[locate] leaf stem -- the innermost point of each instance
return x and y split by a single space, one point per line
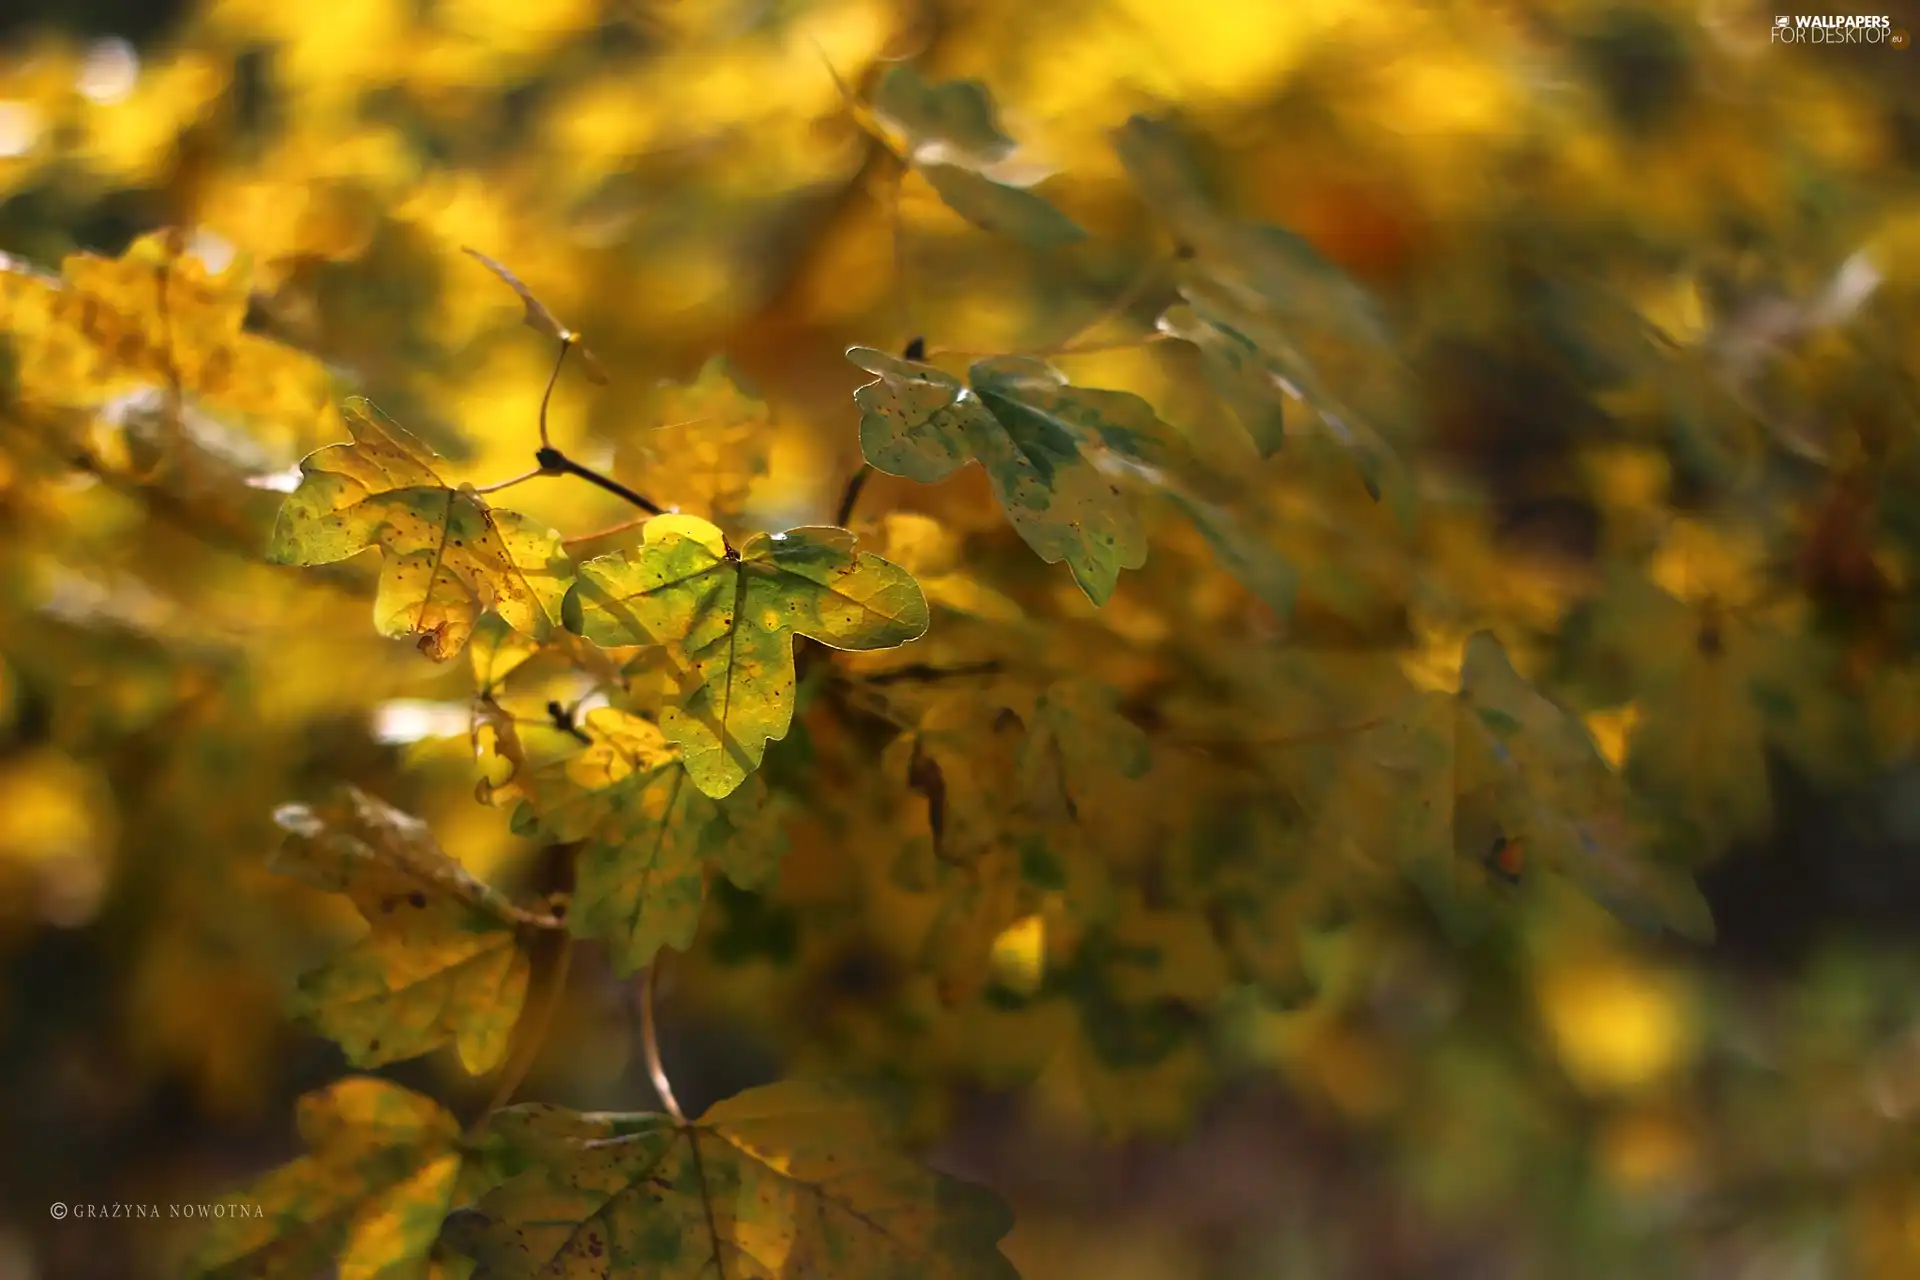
849 496
554 463
1119 306
607 532
566 345
650 1043
508 484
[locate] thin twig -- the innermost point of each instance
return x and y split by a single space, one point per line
534 474
855 483
607 532
1119 306
553 462
566 345
650 1043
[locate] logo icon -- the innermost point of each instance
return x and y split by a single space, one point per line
1782 20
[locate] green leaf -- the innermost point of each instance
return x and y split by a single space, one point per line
649 836
1238 373
1274 319
954 122
953 137
386 1167
1240 551
1035 436
1078 744
1531 769
447 557
441 960
788 1180
1005 210
728 620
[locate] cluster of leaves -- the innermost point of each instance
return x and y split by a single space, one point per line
1282 720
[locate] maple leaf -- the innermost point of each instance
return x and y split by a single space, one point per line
1530 769
1038 440
1714 691
792 1180
441 960
649 836
729 618
447 557
953 138
1273 320
711 447
386 1167
155 317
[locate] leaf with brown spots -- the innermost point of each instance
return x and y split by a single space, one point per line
386 1166
727 618
1040 441
791 1181
447 556
442 959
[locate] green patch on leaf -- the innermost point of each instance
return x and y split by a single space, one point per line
727 619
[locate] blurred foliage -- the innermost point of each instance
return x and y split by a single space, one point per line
1413 763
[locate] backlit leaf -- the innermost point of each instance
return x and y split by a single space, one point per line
649 836
728 619
1033 435
447 557
441 960
386 1167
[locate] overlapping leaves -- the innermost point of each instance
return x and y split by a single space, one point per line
1038 440
649 836
953 139
789 1180
441 960
727 620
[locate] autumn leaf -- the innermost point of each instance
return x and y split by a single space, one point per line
729 617
1273 320
447 557
441 960
156 317
1532 768
649 836
789 1180
1715 692
1037 439
952 136
386 1167
710 447
539 319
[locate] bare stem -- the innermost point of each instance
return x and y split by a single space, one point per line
650 1043
566 345
508 484
607 532
554 463
855 483
1118 307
